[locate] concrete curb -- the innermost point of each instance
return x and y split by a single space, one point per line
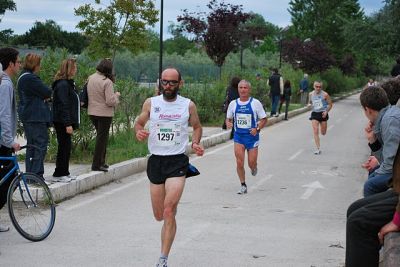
88 181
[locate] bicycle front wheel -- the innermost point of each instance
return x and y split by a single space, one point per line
31 207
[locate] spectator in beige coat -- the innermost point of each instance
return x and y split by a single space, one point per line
102 101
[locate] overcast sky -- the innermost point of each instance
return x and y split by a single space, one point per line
62 11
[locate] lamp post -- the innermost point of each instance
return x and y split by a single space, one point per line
161 39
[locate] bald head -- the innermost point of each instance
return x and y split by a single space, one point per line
172 74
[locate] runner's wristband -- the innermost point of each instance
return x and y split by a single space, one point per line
396 218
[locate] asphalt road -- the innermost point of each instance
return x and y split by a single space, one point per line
293 214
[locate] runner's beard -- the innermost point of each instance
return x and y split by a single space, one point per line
170 94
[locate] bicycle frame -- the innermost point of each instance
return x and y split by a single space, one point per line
14 160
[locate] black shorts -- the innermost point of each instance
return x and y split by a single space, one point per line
160 168
318 116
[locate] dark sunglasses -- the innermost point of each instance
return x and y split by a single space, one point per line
170 82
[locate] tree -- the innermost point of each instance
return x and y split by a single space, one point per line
120 25
219 31
50 34
310 56
5 5
324 19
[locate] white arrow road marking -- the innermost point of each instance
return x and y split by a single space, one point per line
310 189
296 154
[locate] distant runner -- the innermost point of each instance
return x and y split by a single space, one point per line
321 104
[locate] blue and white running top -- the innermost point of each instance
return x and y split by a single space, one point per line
319 103
246 114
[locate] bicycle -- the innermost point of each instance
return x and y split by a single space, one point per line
30 203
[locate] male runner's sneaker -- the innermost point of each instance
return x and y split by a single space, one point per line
254 171
242 190
162 263
317 152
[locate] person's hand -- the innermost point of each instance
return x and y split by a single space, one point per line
301 91
371 163
142 134
324 114
369 133
229 124
69 129
118 94
198 149
16 147
390 227
253 131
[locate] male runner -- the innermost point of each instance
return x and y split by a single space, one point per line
169 115
321 104
248 117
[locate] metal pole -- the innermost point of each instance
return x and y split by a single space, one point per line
161 39
280 52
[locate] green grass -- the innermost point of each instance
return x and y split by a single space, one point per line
121 146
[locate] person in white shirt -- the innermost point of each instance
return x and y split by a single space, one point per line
248 117
170 115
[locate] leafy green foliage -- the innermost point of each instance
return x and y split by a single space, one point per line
324 19
119 25
50 34
7 5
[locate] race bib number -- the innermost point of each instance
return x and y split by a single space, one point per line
243 121
317 103
168 134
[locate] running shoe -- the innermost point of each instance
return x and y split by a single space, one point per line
62 179
72 177
242 190
317 152
162 263
254 171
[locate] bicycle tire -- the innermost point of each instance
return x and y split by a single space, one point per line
31 207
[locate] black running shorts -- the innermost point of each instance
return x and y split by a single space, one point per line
160 168
318 116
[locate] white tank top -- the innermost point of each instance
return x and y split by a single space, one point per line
168 128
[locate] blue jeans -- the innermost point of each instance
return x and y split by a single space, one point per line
376 183
275 103
36 134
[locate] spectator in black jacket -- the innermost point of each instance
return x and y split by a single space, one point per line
396 68
275 81
65 117
34 112
232 93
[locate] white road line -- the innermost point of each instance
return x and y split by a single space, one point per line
260 182
105 194
296 154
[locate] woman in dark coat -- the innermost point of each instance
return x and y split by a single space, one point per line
34 112
66 111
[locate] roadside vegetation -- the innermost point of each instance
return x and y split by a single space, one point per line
343 58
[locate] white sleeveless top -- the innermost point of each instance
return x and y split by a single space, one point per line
168 128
